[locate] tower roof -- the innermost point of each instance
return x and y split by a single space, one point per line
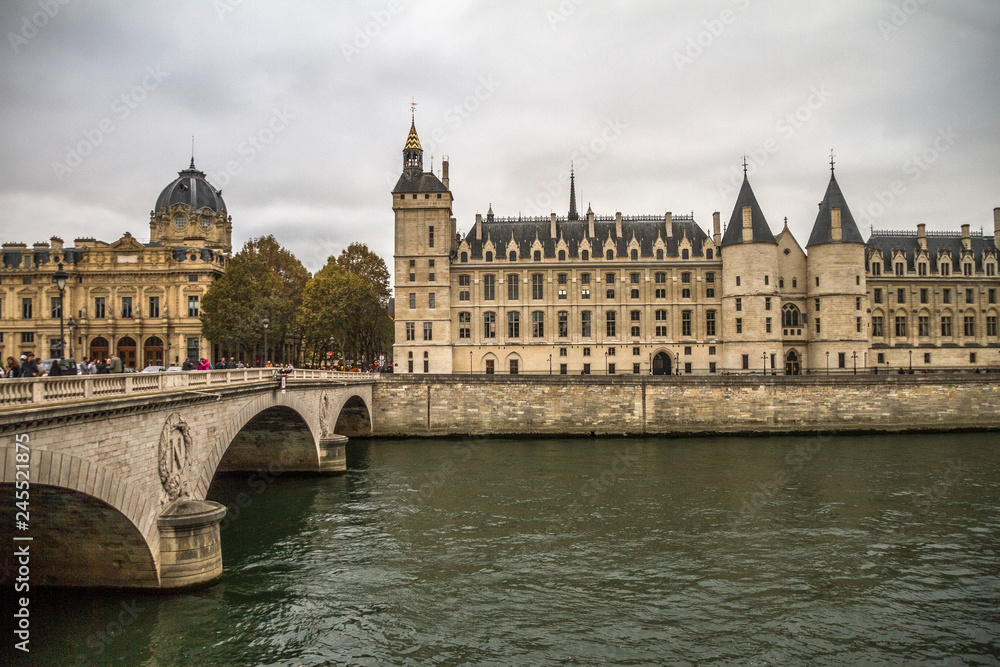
573 215
191 188
822 231
761 231
412 141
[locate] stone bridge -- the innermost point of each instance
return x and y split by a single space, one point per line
109 473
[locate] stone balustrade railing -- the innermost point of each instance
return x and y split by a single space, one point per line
27 392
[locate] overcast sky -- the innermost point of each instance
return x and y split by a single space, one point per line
300 111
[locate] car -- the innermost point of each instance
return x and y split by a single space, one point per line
129 369
175 369
68 367
154 369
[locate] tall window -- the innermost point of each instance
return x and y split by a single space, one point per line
923 326
430 236
513 324
609 318
789 316
946 325
709 322
991 326
26 310
513 285
192 306
154 306
413 300
465 325
538 324
563 320
877 326
57 306
430 300
685 322
585 324
901 326
877 295
428 330
489 325
739 304
635 326
489 287
127 306
99 307
970 326
411 331
537 283
661 323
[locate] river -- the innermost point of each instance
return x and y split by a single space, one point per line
840 550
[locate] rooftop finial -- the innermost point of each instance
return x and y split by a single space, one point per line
744 166
831 160
573 215
413 110
192 151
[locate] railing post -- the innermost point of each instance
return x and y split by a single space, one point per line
37 395
128 384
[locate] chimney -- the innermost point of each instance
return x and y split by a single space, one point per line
479 226
444 170
56 242
747 225
922 236
552 226
836 231
716 228
668 222
590 224
996 227
966 237
618 224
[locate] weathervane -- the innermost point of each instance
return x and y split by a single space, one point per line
744 165
831 160
413 109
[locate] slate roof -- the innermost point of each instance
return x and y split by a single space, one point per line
822 228
191 188
734 231
425 182
645 229
888 242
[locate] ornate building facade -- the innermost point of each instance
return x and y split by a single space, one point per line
657 294
140 300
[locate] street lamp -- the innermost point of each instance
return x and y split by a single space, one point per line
71 325
331 350
265 323
550 364
59 278
911 361
854 355
763 362
470 362
828 362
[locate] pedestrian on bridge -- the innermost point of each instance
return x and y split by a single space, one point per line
115 364
13 369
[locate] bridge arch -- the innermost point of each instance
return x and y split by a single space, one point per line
106 528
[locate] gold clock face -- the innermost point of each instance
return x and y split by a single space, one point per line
180 221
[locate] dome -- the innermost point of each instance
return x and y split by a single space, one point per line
191 188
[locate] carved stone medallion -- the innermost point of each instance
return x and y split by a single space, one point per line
175 457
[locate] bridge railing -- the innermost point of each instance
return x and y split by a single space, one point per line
26 392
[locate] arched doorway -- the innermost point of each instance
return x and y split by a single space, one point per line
792 363
126 350
662 364
99 348
152 352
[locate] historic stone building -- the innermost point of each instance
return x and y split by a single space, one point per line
140 300
589 294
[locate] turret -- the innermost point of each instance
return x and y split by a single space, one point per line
996 227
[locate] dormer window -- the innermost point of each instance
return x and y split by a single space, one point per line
180 221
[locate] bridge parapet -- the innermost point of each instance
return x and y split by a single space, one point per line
29 392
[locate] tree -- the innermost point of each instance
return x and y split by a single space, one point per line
359 260
284 302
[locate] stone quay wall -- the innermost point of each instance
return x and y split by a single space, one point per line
440 405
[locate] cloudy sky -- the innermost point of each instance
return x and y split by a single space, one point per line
300 110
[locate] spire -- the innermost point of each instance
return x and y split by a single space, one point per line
192 152
833 212
413 154
489 213
744 167
746 202
573 215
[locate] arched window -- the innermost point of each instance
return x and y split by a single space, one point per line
790 316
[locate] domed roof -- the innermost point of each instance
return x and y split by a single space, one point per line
191 188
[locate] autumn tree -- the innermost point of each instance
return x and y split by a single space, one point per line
359 260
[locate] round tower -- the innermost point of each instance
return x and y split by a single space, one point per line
751 306
837 303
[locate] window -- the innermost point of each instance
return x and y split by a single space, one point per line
899 268
686 277
946 295
634 315
413 300
538 324
661 329
710 292
561 278
767 303
923 325
970 326
737 281
945 269
970 296
427 364
585 278
512 256
609 318
489 287
610 254
634 294
922 269
611 369
26 310
634 254
857 303
789 316
610 293
28 337
585 324
464 257
489 325
709 322
413 277
660 278
661 293
465 325
767 325
428 330
927 357
585 293
611 351
562 255
711 364
901 296
767 280
154 306
972 357
635 352
430 236
192 306
817 305
901 326
923 295
586 351
685 322
881 357
635 330
991 325
946 325
877 326
513 324
991 269
841 360
876 269
430 300
563 320
562 292
56 307
991 295
538 255
818 328
746 362
430 277
685 253
659 253
966 269
687 350
739 325
489 258
411 333
537 286
99 308
513 286
739 304
585 255
562 369
817 281
709 254
586 369
781 283
877 295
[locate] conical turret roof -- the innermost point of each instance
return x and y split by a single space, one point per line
412 141
761 230
822 231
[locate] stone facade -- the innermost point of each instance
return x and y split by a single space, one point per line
140 300
657 294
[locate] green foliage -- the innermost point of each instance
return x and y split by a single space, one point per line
359 260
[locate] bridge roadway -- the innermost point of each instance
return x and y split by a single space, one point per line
117 467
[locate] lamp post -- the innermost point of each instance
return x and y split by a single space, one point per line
265 323
59 278
911 361
71 325
763 362
854 355
828 362
550 364
332 341
470 362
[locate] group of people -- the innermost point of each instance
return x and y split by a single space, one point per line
29 367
